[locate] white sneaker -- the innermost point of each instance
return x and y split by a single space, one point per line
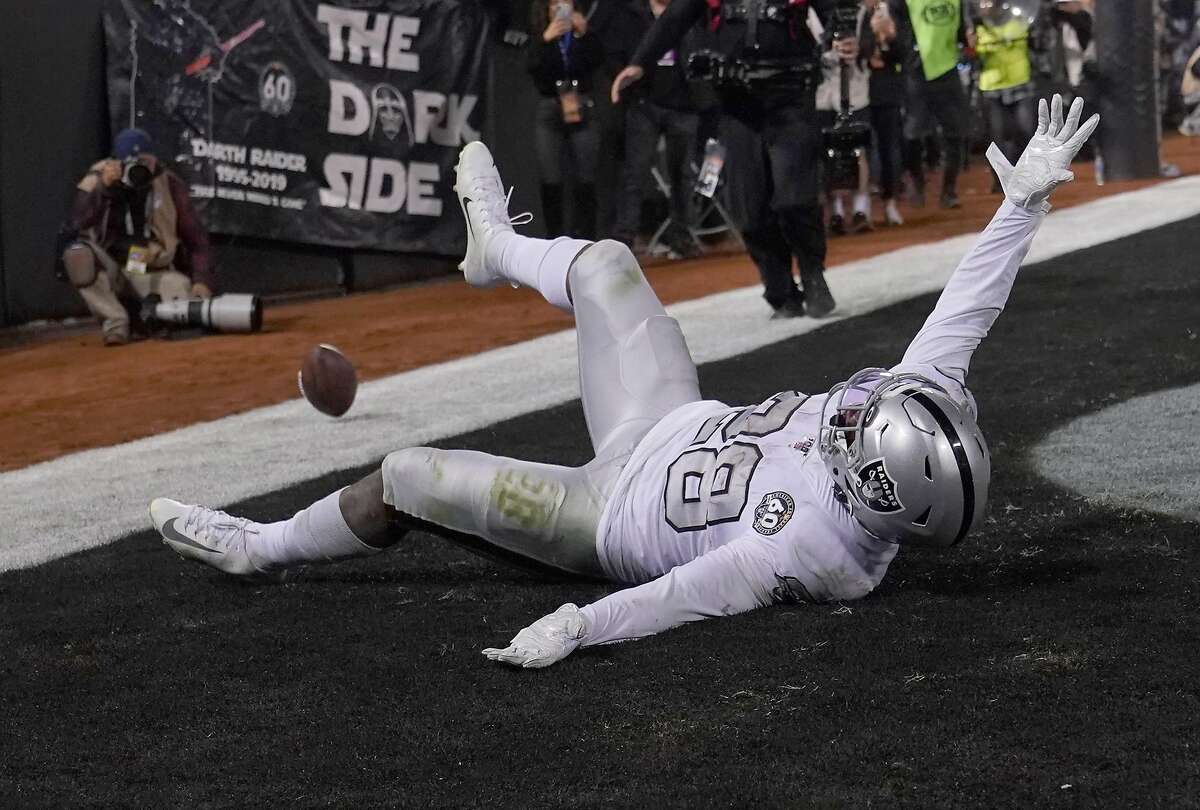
485 206
892 214
209 536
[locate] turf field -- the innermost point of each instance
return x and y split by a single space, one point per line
1053 659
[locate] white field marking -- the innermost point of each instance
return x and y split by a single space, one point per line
1139 454
90 498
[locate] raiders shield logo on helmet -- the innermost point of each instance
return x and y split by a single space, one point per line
876 488
773 513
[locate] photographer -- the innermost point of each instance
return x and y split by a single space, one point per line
561 60
766 63
130 219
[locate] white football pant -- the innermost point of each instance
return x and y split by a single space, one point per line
634 368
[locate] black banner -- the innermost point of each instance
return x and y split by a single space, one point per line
333 123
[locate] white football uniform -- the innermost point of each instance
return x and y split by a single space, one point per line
707 510
721 510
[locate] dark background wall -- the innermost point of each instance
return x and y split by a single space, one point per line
54 124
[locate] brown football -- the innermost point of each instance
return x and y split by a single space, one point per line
328 380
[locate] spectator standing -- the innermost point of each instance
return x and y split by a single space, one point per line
562 59
1003 43
886 58
935 93
663 104
132 233
613 23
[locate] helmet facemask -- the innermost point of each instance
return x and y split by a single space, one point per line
850 405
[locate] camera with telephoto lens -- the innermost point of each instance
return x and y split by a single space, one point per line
847 140
222 313
135 174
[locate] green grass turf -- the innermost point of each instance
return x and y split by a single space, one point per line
1056 648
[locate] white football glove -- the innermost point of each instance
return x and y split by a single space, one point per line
548 640
1043 164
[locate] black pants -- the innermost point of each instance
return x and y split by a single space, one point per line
771 179
644 123
566 149
943 101
609 121
887 121
1012 124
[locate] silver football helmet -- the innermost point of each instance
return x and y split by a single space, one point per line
909 462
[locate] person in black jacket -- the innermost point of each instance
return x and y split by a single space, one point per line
769 129
886 57
561 60
663 104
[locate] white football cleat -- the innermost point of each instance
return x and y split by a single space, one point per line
485 206
209 536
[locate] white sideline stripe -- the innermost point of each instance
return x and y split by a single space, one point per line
90 498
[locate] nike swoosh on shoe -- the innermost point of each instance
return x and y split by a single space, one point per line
171 533
463 201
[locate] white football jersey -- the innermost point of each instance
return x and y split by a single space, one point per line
710 476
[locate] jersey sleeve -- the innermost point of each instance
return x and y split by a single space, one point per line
975 295
733 578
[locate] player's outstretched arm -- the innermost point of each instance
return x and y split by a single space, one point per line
734 578
979 288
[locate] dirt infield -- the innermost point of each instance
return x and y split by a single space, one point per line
71 394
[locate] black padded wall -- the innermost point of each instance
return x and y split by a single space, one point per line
53 124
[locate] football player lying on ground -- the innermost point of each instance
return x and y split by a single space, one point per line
704 509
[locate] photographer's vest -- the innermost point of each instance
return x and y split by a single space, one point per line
161 235
1003 54
935 24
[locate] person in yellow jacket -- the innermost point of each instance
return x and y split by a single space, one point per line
1002 35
